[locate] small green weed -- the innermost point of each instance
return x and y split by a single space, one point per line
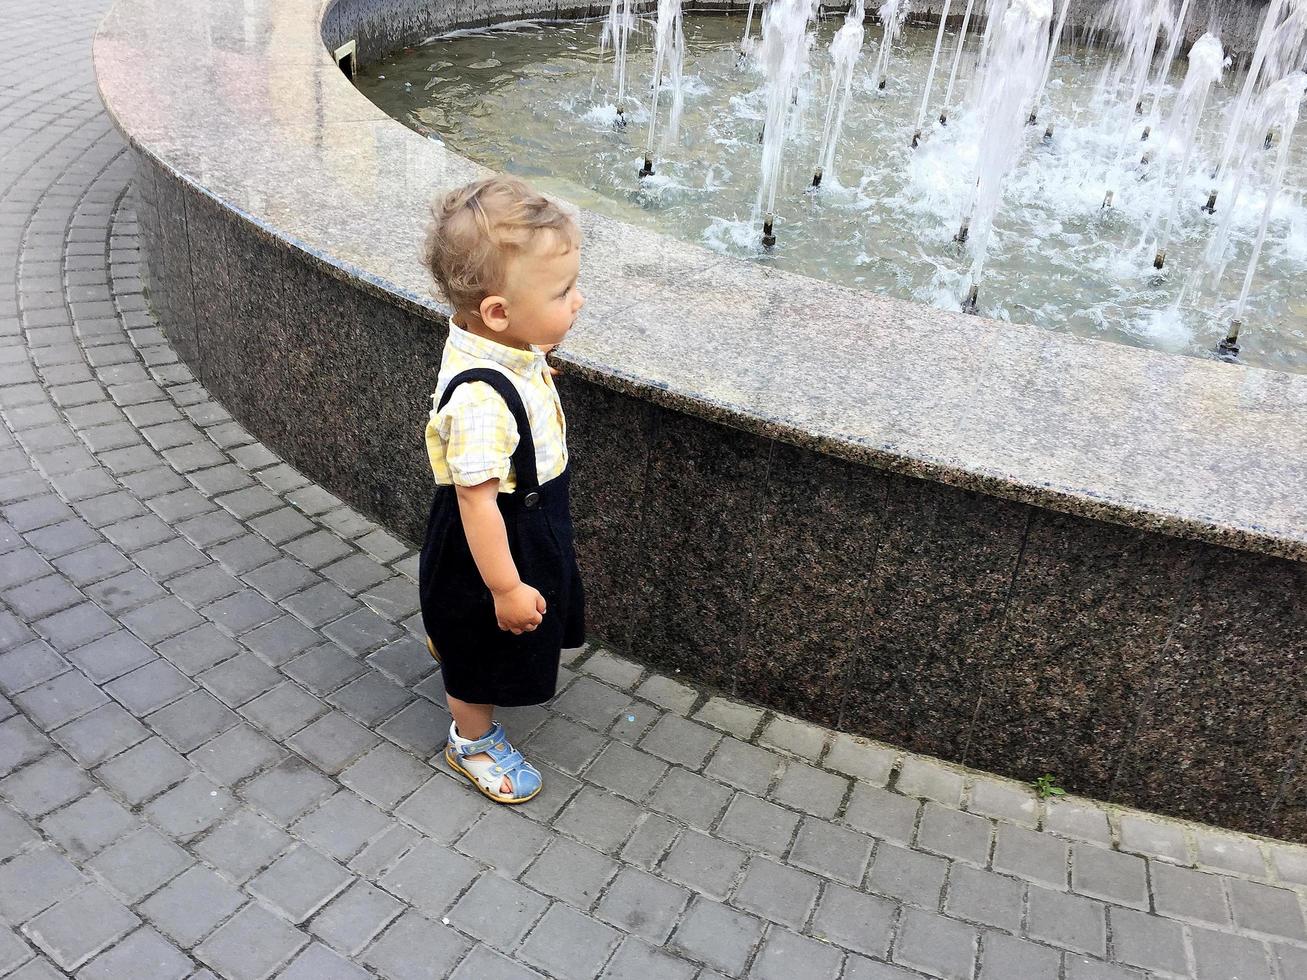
1045 787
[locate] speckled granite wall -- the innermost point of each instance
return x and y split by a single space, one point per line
1140 668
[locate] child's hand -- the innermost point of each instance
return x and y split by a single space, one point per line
519 609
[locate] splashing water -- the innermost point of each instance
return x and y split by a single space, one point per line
669 60
783 55
618 27
892 14
844 51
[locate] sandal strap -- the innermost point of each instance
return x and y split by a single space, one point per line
485 743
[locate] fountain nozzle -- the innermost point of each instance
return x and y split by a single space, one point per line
1210 206
1229 347
621 116
1159 259
971 303
1048 132
963 231
816 177
1033 117
1107 200
1146 159
768 238
647 170
1270 139
881 84
916 139
1139 108
943 118
1147 131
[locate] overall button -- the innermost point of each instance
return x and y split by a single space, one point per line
532 500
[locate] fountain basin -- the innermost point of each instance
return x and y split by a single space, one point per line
1025 551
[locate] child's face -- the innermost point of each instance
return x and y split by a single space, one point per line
542 296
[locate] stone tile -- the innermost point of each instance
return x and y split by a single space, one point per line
670 694
863 760
1148 941
48 783
653 836
122 592
704 864
370 698
240 679
253 943
1109 875
342 825
236 754
984 897
927 779
1226 852
793 736
150 687
1220 956
20 743
831 851
203 585
361 631
678 741
189 907
241 611
318 961
280 640
190 807
112 656
1290 863
1003 957
323 669
571 872
78 927
599 819
1184 894
504 840
811 790
284 710
144 771
1081 820
332 742
242 845
139 863
497 911
936 945
719 936
92 564
287 790
690 797
34 881
405 661
41 597
759 825
734 717
414 943
443 809
1067 921
142 954
1261 908
907 875
785 955
300 882
625 770
636 960
189 722
386 775
568 944
563 744
89 825
319 605
642 905
420 728
32 663
777 892
355 917
1036 857
67 630
429 877
882 814
592 703
744 766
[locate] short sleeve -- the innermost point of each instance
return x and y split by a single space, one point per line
479 434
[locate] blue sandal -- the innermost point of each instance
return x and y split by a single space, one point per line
488 776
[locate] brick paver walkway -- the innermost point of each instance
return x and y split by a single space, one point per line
219 740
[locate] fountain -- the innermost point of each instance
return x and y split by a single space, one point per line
891 14
669 56
844 51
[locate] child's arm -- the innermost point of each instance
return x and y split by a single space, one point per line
518 606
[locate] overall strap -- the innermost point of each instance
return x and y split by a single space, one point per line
524 456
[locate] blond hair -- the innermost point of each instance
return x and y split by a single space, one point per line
475 230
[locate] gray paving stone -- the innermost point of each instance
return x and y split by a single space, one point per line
13 951
242 845
190 721
420 728
144 771
936 945
814 791
984 897
144 955
831 851
743 766
1067 921
414 948
1153 838
405 660
332 742
563 744
504 840
793 736
148 688
1006 958
592 703
1226 852
23 565
678 741
240 679
1109 875
112 656
191 807
29 664
300 882
203 585
34 881
625 770
89 825
139 863
925 778
777 892
632 726
355 917
1292 960
122 592
497 911
189 907
318 548
1184 894
882 814
370 698
78 927
704 864
758 824
323 669
280 640
1221 956
864 761
690 797
571 872
170 557
67 630
1036 857
287 790
443 809
1290 863
637 960
1148 941
429 877
236 754
1078 819
284 710
955 834
854 920
320 604
860 968
599 819
92 564
46 784
734 717
41 597
251 944
639 903
719 936
318 962
386 775
242 611
361 631
234 552
653 836
670 694
342 825
354 574
785 956
1262 908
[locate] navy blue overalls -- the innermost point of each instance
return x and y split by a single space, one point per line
479 662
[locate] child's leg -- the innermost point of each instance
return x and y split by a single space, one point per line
473 721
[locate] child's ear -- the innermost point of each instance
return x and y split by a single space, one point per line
494 313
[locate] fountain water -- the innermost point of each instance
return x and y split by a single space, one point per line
844 51
784 57
930 76
618 27
892 14
669 59
957 60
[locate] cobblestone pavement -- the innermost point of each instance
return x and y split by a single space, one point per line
220 735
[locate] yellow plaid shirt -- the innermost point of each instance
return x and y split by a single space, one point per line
472 438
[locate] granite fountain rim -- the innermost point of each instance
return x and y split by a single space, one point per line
1279 488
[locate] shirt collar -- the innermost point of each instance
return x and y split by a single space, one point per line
523 362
